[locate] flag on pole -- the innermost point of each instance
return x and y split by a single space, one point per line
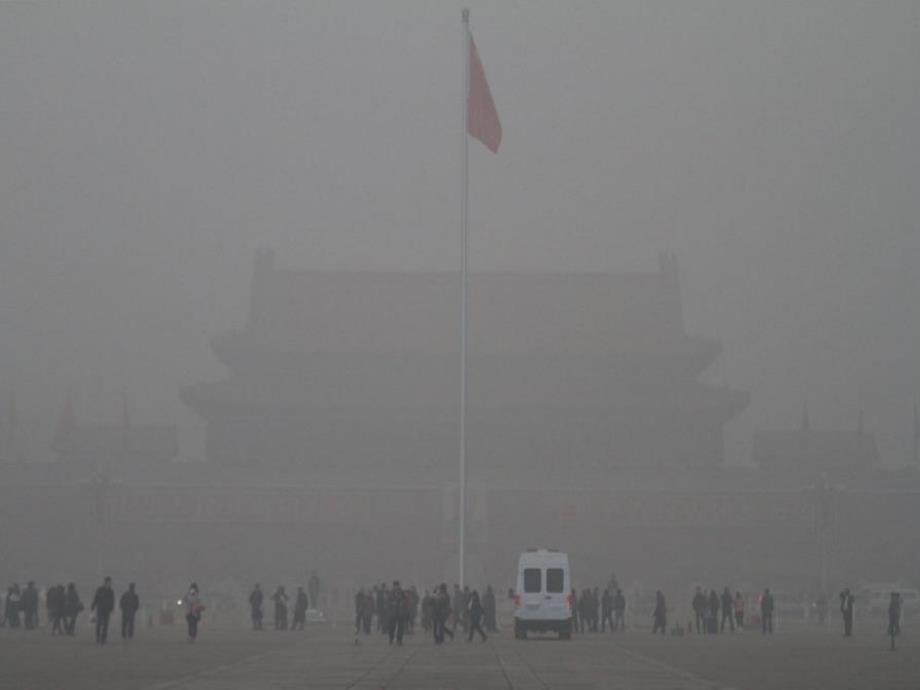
482 117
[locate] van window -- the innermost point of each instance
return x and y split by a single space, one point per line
532 580
555 580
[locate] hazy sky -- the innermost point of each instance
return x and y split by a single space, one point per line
146 150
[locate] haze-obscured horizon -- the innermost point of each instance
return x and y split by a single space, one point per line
147 150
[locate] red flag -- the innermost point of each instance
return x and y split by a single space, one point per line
482 118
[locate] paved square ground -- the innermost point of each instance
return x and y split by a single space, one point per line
327 657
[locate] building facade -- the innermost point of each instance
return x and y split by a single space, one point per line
360 370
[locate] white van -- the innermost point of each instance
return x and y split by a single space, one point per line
542 599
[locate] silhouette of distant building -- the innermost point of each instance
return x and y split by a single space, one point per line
357 369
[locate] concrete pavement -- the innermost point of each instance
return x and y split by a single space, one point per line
327 657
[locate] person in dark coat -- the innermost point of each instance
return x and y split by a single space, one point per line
457 607
713 612
412 600
359 611
383 623
699 609
30 606
301 604
129 604
846 608
660 614
103 605
280 598
619 611
475 617
193 610
595 608
441 614
606 610
12 605
576 604
367 612
57 599
398 613
427 611
727 612
488 607
72 608
894 617
255 606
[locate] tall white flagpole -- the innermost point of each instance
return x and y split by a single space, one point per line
465 226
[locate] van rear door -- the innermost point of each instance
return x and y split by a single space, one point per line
533 588
556 592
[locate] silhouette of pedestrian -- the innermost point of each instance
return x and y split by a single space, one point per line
129 604
103 605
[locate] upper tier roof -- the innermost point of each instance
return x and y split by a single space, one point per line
541 314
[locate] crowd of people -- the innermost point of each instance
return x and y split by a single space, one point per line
592 611
395 611
63 607
280 600
707 609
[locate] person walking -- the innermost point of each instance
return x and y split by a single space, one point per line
619 611
894 617
606 610
12 606
29 604
475 617
441 614
488 608
594 609
699 609
739 611
412 600
713 607
576 610
367 612
280 598
398 612
102 606
458 608
359 611
72 608
301 605
727 610
129 604
57 600
193 610
660 614
255 606
383 598
847 600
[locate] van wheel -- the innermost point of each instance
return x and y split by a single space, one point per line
519 632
